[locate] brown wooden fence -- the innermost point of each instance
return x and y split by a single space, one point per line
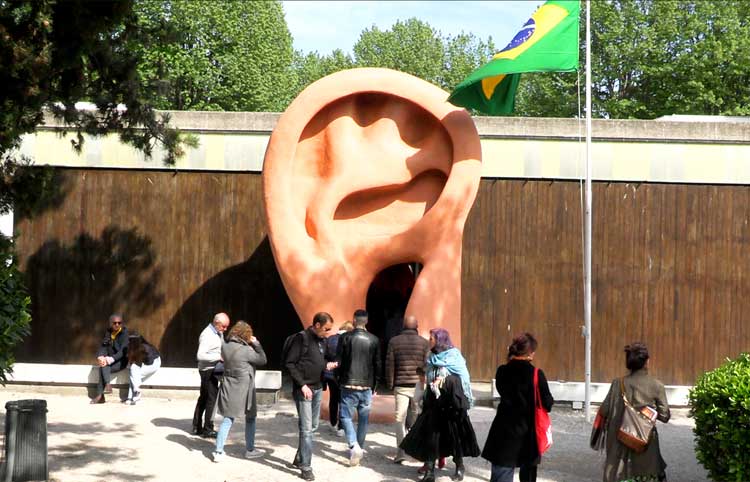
171 249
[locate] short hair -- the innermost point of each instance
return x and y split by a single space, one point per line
220 318
636 356
522 344
322 318
442 339
360 317
347 326
116 315
242 330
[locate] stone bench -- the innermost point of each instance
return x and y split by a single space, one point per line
266 381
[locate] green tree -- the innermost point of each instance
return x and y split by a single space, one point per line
218 55
411 46
313 66
414 47
652 58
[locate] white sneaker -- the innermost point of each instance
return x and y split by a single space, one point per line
340 432
253 454
355 454
130 402
136 397
218 456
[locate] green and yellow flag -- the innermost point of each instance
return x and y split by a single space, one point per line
547 42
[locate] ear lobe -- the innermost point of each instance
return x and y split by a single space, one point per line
369 168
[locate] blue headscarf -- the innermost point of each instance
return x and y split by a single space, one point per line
454 363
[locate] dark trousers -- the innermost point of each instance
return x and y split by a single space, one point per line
334 399
206 400
105 374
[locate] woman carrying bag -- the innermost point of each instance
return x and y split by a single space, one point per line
512 440
242 354
645 394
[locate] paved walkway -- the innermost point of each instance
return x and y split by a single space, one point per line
151 442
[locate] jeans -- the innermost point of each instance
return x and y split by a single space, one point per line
334 399
226 424
139 373
406 411
505 474
361 400
308 412
105 373
204 408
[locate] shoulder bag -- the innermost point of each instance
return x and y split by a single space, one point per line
636 427
541 419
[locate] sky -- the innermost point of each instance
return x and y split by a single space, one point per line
324 26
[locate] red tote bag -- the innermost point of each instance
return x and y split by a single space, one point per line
541 419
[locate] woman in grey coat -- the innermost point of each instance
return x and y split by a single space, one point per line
641 389
242 354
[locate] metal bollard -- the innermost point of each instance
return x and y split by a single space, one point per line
26 441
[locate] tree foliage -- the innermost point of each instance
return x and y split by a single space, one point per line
15 318
652 58
218 55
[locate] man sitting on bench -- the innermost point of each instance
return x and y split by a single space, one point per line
112 355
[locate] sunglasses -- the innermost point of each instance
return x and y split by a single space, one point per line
117 322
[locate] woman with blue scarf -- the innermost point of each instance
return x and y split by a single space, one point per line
443 428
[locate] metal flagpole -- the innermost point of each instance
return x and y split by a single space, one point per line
587 229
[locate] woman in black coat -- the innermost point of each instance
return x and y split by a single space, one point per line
511 441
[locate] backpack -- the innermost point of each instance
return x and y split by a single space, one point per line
288 345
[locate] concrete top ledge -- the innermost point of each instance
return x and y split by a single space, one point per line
701 130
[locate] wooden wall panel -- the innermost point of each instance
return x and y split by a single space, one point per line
167 249
668 268
171 249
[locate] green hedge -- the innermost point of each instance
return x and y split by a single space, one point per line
15 319
720 405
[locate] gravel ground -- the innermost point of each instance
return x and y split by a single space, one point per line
151 441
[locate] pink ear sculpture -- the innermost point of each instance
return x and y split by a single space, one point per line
366 169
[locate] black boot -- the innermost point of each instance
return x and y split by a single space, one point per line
459 472
429 475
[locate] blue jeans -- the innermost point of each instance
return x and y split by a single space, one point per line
226 424
360 400
505 474
308 412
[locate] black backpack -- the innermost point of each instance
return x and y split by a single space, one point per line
288 345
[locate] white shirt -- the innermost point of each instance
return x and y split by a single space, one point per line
209 348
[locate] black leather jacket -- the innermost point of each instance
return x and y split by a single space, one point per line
358 354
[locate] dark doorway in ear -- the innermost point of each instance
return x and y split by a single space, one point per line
387 298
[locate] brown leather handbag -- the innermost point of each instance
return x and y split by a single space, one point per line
637 425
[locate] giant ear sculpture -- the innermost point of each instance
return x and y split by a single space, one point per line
366 169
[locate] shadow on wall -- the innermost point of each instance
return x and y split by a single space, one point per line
250 291
75 287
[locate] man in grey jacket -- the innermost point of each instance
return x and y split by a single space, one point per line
210 369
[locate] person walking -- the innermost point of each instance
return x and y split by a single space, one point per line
407 353
330 379
210 368
112 355
305 362
358 358
242 354
511 441
641 390
444 428
143 360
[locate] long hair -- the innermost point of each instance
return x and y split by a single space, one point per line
242 330
136 348
442 339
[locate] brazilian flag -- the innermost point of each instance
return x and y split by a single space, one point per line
547 42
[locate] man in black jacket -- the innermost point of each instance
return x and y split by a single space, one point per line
112 355
406 352
358 358
305 362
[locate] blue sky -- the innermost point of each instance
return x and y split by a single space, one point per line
324 26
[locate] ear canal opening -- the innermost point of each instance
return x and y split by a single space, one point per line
387 299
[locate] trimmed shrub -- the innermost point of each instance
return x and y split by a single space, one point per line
720 404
